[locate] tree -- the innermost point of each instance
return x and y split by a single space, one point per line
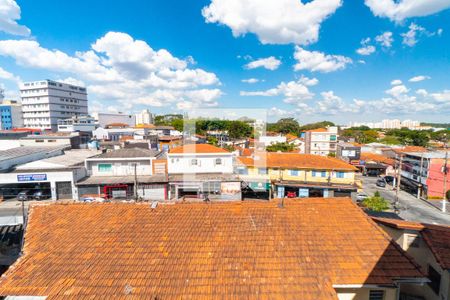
376 202
238 129
287 125
316 125
283 147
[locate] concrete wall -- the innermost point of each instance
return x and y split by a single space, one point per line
120 167
363 293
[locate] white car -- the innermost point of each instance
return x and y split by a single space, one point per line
360 197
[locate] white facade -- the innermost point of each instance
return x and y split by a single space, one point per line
321 142
199 163
45 102
119 166
83 123
269 140
104 119
144 117
389 124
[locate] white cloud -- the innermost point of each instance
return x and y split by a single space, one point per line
410 37
269 63
9 15
396 82
385 39
419 78
366 50
292 91
119 68
273 21
397 91
71 80
318 61
9 76
251 80
403 9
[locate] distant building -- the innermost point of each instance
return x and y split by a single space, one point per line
144 117
348 152
77 123
105 119
11 115
45 102
389 124
321 141
268 140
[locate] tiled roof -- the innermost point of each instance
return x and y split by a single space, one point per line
410 149
234 250
198 148
317 130
437 237
296 161
368 156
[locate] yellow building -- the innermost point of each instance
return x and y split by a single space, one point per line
271 174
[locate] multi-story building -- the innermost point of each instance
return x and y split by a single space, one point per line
348 152
202 170
11 115
45 102
77 123
144 117
321 141
270 174
423 172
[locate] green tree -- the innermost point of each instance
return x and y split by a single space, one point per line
287 125
316 125
376 202
238 129
283 147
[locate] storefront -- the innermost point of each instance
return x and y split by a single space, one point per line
299 190
256 190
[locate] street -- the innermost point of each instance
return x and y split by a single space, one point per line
11 211
411 208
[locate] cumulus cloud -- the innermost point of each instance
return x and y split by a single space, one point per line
251 80
366 48
273 21
385 39
419 78
9 76
117 67
269 63
396 82
316 61
292 91
399 10
410 37
9 15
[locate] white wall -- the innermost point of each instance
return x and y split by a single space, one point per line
120 167
182 163
268 140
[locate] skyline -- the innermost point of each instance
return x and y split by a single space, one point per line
172 56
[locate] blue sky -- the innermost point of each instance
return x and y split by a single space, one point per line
311 62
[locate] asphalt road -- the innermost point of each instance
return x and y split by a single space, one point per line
410 208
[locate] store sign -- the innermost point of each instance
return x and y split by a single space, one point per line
303 193
119 193
31 177
230 188
259 186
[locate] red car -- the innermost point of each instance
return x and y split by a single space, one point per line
291 194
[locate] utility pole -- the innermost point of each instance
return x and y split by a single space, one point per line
419 189
399 179
444 196
135 182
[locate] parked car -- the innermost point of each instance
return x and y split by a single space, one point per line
360 197
389 179
25 195
291 195
41 195
381 182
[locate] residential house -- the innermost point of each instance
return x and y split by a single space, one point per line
348 152
429 245
296 175
268 140
74 140
202 170
321 141
375 164
124 174
306 249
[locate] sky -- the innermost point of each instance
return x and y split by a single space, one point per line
338 60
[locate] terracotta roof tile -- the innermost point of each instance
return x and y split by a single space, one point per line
198 148
295 161
437 237
251 250
317 130
368 156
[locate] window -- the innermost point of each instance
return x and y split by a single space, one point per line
262 171
340 174
314 174
435 279
104 167
218 161
332 138
194 162
242 171
293 172
323 174
376 295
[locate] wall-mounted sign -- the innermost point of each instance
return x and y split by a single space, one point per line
230 188
32 177
259 186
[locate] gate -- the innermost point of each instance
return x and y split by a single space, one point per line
64 190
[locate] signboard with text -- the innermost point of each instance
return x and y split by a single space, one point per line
31 177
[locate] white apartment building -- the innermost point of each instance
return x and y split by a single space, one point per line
321 141
82 123
389 124
45 102
144 117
